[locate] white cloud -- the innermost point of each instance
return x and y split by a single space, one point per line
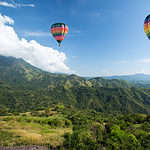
36 34
15 5
6 20
5 4
25 5
38 55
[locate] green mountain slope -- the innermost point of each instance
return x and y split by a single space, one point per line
25 88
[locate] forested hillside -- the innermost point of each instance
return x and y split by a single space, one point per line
25 88
66 128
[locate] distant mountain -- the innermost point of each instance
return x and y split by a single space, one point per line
135 77
140 80
24 87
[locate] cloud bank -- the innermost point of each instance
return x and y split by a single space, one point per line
45 58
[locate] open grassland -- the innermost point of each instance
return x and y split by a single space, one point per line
29 130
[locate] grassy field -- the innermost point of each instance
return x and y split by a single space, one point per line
29 130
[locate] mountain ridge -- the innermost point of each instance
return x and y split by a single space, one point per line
24 87
135 77
139 80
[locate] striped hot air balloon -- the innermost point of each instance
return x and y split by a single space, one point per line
59 30
147 26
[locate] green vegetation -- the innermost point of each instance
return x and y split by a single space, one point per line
28 129
66 128
68 112
25 88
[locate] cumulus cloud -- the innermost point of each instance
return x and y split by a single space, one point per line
34 53
6 20
15 5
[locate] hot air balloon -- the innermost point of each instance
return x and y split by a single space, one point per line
147 26
59 30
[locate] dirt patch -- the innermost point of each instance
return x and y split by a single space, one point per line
24 148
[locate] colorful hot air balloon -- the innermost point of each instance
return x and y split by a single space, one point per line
59 30
147 26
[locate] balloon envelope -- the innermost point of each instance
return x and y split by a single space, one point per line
147 26
59 30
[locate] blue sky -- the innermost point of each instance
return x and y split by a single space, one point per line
105 37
